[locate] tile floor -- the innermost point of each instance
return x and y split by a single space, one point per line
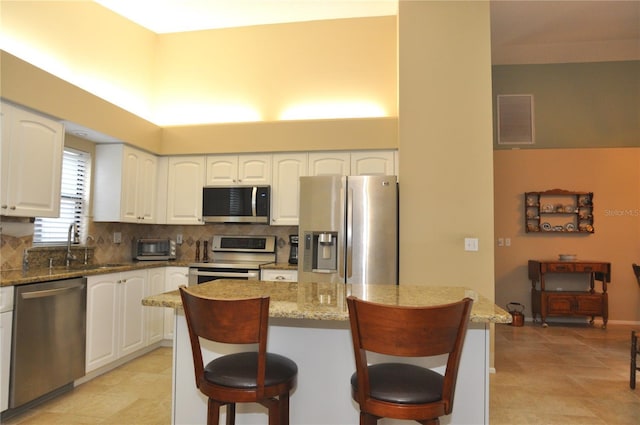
563 374
138 392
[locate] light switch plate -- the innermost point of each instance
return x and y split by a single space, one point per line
117 237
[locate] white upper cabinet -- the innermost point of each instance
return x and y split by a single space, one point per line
285 190
373 163
228 170
31 161
125 184
186 177
329 163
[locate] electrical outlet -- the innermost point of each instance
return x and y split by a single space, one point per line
470 244
117 237
179 239
507 242
500 242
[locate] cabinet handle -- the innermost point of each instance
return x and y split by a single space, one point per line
13 207
280 277
4 207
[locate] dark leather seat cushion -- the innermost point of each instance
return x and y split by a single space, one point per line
402 383
240 370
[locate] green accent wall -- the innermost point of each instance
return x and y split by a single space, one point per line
576 105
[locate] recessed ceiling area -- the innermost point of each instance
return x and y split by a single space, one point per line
169 16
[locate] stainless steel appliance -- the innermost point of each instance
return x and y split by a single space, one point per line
348 229
148 249
293 249
236 204
48 338
234 257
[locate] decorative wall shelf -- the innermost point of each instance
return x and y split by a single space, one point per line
558 211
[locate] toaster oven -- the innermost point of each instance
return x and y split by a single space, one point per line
154 249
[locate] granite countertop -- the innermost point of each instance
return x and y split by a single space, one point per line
279 266
326 301
18 277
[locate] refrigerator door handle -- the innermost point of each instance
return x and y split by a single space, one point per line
349 255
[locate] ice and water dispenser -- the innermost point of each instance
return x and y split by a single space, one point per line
320 252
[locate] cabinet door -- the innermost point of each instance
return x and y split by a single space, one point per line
560 304
154 316
131 163
254 169
329 163
174 278
31 164
285 190
6 320
222 170
102 320
184 190
147 189
590 304
132 324
372 163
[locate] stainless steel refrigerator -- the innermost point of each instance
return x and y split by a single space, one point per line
348 229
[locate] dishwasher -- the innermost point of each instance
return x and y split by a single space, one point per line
48 341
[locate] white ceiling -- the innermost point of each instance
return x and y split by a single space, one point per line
166 16
512 21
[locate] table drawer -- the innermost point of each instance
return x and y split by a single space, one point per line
561 267
590 268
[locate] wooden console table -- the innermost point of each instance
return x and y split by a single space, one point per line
548 302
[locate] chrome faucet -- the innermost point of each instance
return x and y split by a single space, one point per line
70 237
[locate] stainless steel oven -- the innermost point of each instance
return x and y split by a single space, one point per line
234 257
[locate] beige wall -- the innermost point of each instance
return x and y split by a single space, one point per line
270 68
613 175
27 85
83 42
445 144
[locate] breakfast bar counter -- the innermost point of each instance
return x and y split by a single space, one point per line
309 324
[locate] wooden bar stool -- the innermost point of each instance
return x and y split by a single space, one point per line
254 376
399 390
635 352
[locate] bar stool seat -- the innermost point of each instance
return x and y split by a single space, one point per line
240 370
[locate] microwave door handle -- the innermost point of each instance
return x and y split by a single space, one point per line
254 193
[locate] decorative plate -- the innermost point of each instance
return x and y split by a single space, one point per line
569 208
569 227
546 227
547 208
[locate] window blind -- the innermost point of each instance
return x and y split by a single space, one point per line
73 201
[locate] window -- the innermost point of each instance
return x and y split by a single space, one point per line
74 194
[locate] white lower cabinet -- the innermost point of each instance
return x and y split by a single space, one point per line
174 278
155 316
115 316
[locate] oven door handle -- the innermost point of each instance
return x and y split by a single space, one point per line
225 274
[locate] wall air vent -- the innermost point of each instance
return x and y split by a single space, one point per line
515 119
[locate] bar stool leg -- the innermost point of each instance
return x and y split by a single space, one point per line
634 354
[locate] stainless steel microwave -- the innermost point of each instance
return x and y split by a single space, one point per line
236 204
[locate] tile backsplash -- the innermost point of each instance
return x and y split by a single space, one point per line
102 249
